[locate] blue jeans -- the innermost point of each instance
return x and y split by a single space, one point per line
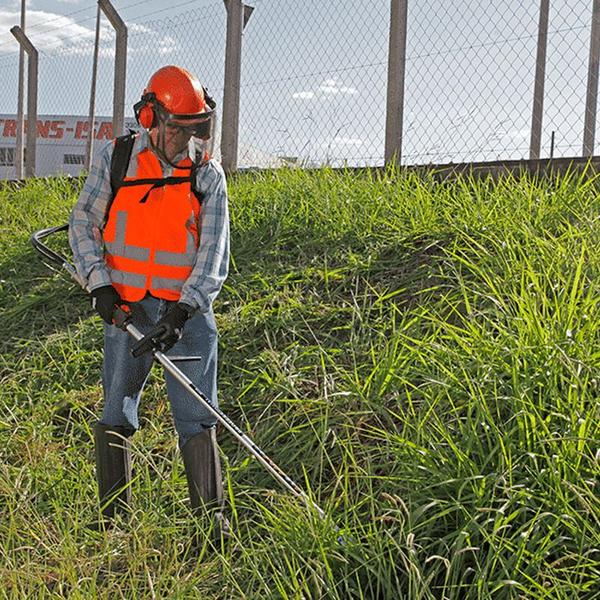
124 377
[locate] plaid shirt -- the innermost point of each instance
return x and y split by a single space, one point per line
212 259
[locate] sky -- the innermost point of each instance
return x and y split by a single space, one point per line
314 72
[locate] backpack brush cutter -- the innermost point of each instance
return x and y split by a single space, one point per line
51 259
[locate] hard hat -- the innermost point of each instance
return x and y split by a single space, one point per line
177 98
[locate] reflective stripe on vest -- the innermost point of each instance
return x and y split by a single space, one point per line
151 234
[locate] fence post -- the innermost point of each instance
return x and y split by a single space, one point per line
32 85
20 127
540 74
238 15
120 65
89 148
395 83
589 128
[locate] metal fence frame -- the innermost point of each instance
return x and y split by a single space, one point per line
238 14
32 87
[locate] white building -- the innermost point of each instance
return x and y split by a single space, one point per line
62 139
60 144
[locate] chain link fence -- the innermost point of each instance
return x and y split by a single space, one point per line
322 101
314 79
470 80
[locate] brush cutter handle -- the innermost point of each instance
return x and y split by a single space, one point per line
51 255
122 316
167 363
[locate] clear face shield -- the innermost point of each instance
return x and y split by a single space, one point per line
176 130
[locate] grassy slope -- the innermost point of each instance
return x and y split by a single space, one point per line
425 357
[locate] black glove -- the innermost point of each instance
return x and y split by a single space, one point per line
166 332
105 299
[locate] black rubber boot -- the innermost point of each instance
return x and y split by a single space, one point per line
203 472
113 470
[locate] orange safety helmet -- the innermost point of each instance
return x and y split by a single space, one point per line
176 97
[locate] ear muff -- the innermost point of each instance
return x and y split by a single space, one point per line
144 111
146 116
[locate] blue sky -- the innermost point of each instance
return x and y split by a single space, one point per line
314 72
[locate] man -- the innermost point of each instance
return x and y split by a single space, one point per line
150 233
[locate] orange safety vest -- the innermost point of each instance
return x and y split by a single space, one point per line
151 234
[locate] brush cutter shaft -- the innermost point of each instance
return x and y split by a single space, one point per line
167 363
276 471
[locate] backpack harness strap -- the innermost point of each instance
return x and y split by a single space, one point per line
120 162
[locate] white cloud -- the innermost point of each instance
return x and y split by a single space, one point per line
332 86
329 87
135 28
52 32
167 45
303 95
502 135
47 31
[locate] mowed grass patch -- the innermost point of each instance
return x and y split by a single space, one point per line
422 356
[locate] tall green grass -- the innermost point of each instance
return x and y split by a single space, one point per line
423 356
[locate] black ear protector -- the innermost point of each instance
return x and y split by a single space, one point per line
145 113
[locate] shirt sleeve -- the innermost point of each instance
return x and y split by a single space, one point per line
212 260
86 222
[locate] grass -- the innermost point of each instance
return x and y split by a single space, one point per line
422 356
